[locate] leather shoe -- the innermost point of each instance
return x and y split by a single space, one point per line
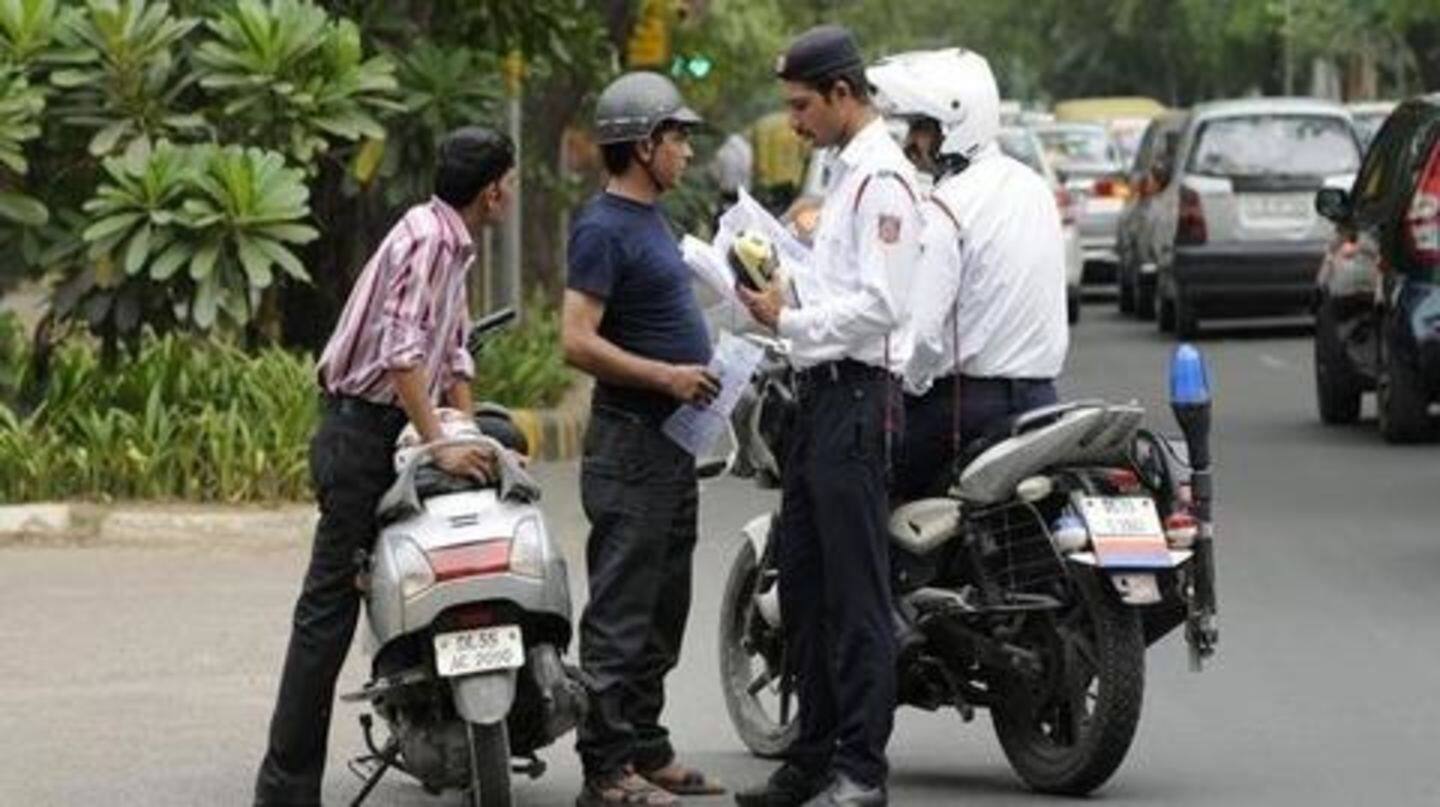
788 786
846 792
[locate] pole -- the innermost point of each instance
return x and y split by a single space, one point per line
1289 35
511 291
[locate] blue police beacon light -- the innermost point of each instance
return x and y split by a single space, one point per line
1190 401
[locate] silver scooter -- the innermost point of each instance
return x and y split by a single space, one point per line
468 615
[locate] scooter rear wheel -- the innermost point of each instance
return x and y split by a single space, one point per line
489 765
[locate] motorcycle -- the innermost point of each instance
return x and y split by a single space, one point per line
1069 541
467 618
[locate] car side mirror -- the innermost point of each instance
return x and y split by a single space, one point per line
1333 204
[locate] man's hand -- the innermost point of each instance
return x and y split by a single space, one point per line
470 461
692 384
765 306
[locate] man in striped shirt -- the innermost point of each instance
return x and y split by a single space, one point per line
398 350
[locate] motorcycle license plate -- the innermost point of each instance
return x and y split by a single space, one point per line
481 650
1126 532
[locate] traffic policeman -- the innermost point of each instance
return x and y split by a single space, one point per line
849 342
988 304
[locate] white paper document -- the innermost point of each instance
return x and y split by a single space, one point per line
696 429
708 261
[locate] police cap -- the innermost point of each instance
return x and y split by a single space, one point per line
821 52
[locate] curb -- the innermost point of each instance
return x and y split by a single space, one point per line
558 433
174 525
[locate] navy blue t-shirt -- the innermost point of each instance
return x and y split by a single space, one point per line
624 253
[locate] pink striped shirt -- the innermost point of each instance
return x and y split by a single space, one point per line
407 309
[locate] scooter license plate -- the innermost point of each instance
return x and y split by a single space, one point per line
1126 532
481 650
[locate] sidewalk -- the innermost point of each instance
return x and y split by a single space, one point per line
181 525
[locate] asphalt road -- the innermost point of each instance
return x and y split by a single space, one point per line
145 676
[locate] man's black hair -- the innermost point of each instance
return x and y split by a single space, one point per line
469 160
618 156
854 77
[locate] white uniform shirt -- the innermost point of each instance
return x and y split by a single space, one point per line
1000 265
856 290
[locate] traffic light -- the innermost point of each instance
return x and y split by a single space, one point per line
696 66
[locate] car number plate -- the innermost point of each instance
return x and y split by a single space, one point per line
1126 532
481 650
1265 208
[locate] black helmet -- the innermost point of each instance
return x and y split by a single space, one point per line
635 104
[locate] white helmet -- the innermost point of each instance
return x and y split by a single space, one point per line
953 86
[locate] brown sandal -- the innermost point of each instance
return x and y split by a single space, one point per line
624 789
689 782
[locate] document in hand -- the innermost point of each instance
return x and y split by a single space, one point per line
695 428
709 262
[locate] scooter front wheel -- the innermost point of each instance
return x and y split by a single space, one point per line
762 707
489 765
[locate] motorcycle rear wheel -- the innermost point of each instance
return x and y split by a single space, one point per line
1068 732
489 765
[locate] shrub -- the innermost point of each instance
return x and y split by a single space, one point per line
525 366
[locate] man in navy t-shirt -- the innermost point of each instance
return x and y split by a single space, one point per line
632 322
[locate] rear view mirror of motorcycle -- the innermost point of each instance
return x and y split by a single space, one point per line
487 326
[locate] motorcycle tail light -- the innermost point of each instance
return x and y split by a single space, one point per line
1181 529
1123 480
466 617
470 560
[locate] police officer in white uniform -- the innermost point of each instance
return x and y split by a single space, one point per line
988 302
849 343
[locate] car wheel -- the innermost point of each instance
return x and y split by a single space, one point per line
1401 401
1187 319
1337 390
1126 297
1145 300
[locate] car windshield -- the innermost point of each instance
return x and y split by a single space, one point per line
1019 145
1078 145
1275 145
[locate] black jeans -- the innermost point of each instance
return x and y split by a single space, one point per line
928 452
351 467
640 494
834 560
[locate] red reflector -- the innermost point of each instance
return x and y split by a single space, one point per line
1123 479
465 617
468 560
1181 529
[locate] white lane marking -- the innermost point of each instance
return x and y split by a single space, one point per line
1274 362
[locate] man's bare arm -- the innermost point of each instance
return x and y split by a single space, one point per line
588 351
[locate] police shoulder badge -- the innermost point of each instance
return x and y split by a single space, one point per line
890 229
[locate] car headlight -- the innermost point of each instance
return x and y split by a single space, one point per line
413 570
528 548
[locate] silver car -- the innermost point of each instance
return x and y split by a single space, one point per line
1089 163
1234 231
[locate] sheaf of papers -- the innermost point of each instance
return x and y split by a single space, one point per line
708 261
696 429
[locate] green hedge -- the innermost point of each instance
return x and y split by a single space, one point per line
194 419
